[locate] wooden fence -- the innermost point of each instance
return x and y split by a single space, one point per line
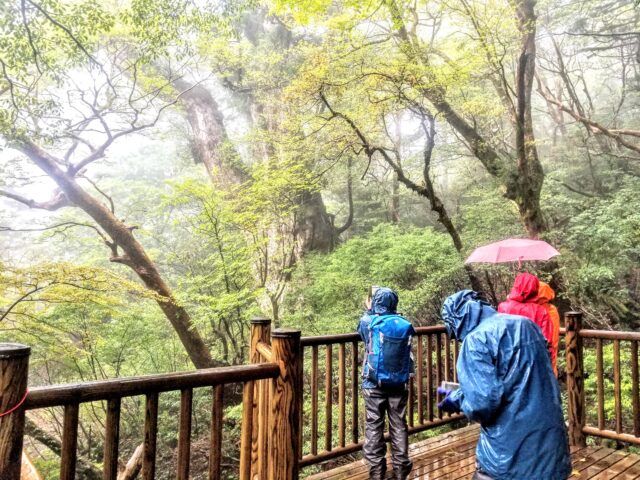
623 423
337 389
280 419
320 375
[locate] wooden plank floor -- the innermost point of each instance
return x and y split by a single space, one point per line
452 457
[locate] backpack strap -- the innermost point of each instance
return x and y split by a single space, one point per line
374 319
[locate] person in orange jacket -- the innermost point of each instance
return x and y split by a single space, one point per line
523 301
545 296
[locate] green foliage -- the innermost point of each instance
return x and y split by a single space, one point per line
232 251
487 217
84 323
218 285
602 254
39 43
328 291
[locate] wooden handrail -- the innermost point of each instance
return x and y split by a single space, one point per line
71 395
51 396
281 412
355 337
610 335
437 362
611 435
605 334
329 339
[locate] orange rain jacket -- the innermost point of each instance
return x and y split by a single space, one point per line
545 296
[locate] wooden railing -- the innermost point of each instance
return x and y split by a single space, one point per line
278 416
113 391
589 346
321 374
334 418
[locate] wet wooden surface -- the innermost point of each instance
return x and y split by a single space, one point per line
451 456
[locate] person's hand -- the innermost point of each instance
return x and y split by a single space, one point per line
443 391
448 404
367 303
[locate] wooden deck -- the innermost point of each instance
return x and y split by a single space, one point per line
452 457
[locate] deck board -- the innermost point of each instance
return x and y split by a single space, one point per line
451 456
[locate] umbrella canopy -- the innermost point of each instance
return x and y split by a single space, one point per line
513 250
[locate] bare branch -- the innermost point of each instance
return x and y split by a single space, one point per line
25 22
101 192
592 126
56 203
100 151
579 192
66 225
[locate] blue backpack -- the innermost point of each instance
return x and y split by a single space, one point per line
389 350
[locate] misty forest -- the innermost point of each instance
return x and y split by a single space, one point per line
171 169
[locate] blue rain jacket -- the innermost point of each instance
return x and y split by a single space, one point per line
384 302
508 386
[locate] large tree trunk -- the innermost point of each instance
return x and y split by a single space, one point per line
530 174
211 147
209 141
134 254
314 227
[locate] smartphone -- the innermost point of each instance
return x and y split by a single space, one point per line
372 290
450 385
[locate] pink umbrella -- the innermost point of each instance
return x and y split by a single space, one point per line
513 250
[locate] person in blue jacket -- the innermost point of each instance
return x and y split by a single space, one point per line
508 386
382 401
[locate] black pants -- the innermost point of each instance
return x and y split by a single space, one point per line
378 404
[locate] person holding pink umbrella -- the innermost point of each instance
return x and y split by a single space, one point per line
523 298
523 301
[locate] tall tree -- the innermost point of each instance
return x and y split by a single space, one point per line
523 178
36 75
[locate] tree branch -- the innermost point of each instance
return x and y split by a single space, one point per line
85 468
122 237
349 220
74 39
22 298
615 134
56 203
99 152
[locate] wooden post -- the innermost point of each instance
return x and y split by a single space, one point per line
14 369
260 332
575 379
246 431
284 421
